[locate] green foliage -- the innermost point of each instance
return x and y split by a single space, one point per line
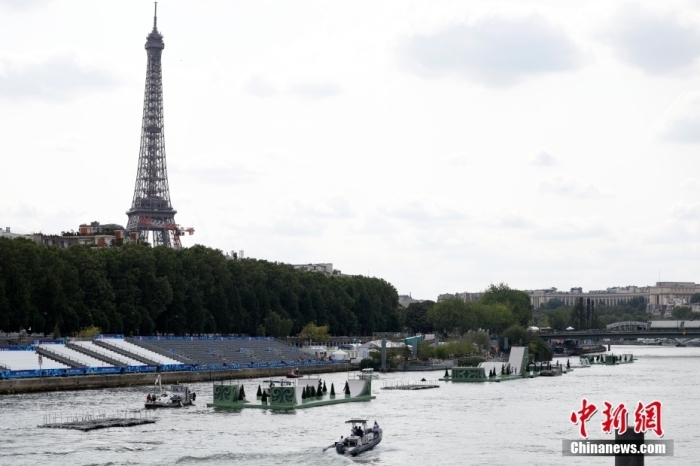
554 303
89 332
518 301
494 317
276 326
416 316
56 331
259 393
264 397
452 316
517 336
347 389
241 393
141 290
332 389
684 313
303 393
695 298
472 361
373 363
315 332
325 390
539 349
480 340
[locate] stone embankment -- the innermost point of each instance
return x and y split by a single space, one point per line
87 382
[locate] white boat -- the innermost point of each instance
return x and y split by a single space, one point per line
367 373
361 438
173 396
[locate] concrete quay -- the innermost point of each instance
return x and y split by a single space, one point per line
89 382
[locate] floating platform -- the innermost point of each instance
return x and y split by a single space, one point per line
494 371
93 424
290 395
609 359
410 385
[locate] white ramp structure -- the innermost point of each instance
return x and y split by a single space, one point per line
519 356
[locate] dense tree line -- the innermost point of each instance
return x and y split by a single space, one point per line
501 312
142 290
559 316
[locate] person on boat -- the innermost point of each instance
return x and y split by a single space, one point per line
148 398
194 397
375 428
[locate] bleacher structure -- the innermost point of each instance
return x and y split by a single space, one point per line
113 354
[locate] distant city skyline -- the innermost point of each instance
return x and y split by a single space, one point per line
439 146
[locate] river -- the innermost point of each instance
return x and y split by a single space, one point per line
510 423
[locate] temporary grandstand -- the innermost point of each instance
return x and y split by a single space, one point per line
112 354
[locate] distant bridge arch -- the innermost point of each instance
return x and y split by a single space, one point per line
627 325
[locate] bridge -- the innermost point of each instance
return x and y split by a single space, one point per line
618 334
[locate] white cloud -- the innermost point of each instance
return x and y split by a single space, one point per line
681 122
657 42
417 211
53 79
686 211
224 175
569 187
336 207
259 87
543 159
315 90
495 52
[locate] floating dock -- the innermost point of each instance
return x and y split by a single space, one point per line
410 385
88 422
290 395
609 359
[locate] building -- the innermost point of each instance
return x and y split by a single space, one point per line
406 299
94 234
7 233
660 297
324 268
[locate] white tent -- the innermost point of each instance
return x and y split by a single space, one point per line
569 328
339 356
533 329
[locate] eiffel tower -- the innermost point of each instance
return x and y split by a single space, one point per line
151 212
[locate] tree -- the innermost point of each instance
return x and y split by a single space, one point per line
518 301
276 326
682 312
452 316
495 317
313 332
695 298
416 316
517 336
554 303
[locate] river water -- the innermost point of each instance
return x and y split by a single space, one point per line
509 423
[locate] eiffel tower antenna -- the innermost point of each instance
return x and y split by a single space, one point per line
152 214
155 16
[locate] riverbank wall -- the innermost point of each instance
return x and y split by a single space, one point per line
89 382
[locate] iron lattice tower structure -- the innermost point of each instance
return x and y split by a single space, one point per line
151 211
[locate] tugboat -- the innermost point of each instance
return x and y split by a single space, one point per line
361 438
175 396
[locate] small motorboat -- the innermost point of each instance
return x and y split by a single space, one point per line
361 438
294 374
174 396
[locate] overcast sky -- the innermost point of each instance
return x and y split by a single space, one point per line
442 146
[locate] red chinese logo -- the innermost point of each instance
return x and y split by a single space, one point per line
583 415
616 418
646 418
